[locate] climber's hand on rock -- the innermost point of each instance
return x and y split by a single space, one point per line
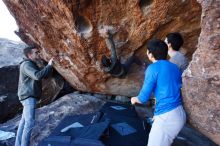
51 61
105 33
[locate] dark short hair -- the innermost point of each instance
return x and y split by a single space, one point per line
175 39
158 48
28 50
106 62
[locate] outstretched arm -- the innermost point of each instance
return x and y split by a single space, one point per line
31 71
34 73
110 44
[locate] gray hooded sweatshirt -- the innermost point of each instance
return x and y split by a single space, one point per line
30 79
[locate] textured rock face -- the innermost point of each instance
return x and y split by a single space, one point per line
10 52
9 103
69 31
201 81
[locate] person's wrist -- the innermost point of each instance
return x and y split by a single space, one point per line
50 62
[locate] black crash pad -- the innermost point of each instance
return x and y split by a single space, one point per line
111 108
115 125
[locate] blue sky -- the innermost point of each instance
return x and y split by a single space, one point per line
8 24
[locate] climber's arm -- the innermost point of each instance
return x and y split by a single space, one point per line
110 44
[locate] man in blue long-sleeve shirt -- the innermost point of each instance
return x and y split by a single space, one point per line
163 79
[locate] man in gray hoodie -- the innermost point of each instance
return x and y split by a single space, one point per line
29 89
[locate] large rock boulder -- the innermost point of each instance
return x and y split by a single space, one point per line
9 103
69 31
201 81
11 52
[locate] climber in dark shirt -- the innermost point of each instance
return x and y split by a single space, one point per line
113 65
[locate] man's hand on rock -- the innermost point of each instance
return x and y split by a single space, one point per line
105 33
50 62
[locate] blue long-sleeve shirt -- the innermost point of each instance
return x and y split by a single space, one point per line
163 79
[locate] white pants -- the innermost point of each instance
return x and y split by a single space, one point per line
166 127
